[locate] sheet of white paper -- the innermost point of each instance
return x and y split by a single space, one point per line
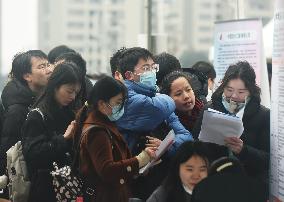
217 125
165 144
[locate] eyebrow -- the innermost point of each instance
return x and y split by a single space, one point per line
237 89
190 166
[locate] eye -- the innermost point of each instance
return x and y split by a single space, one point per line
203 170
190 169
188 90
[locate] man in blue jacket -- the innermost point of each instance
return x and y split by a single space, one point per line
145 109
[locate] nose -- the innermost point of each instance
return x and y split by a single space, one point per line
73 96
196 175
49 69
186 95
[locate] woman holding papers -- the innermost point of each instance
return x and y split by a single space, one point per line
189 167
239 95
105 160
178 86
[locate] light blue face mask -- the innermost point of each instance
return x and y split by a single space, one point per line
148 78
233 106
116 113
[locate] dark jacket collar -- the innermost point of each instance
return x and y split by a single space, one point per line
17 93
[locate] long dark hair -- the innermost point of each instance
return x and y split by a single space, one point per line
64 73
77 59
104 89
244 71
172 183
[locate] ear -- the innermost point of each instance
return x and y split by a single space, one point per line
118 76
101 107
129 75
27 77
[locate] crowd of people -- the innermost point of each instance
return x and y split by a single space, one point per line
147 97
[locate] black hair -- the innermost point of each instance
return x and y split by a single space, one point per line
173 183
244 71
206 68
76 58
199 83
64 73
57 51
170 78
104 89
226 165
114 60
22 64
167 64
81 64
130 58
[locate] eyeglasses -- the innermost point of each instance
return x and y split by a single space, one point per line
147 68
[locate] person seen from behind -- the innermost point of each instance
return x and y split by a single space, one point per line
208 70
228 181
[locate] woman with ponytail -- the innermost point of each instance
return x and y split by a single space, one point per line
105 159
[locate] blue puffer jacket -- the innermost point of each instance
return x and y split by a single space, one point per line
144 111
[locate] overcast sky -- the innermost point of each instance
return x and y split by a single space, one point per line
19 29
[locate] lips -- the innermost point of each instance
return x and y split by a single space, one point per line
188 104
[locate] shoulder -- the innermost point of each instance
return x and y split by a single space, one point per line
100 134
159 195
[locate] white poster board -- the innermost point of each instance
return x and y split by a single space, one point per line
277 107
240 40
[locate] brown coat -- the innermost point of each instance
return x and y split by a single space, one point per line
107 162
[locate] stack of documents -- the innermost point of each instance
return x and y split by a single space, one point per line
217 125
164 146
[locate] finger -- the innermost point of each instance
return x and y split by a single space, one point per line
150 145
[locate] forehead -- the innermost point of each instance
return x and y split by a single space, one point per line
72 86
195 160
180 83
38 60
142 61
236 84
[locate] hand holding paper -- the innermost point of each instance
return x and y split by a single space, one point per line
216 126
165 144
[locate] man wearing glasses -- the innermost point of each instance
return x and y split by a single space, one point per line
29 75
145 110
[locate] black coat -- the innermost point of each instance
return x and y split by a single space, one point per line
43 143
256 137
16 100
224 187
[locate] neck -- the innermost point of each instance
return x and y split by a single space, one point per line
35 90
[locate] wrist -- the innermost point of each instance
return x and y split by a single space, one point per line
143 158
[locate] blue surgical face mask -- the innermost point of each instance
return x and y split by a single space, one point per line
148 78
233 106
117 113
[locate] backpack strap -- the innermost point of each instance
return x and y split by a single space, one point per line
88 186
85 132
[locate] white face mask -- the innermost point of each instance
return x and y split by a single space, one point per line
209 95
232 106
